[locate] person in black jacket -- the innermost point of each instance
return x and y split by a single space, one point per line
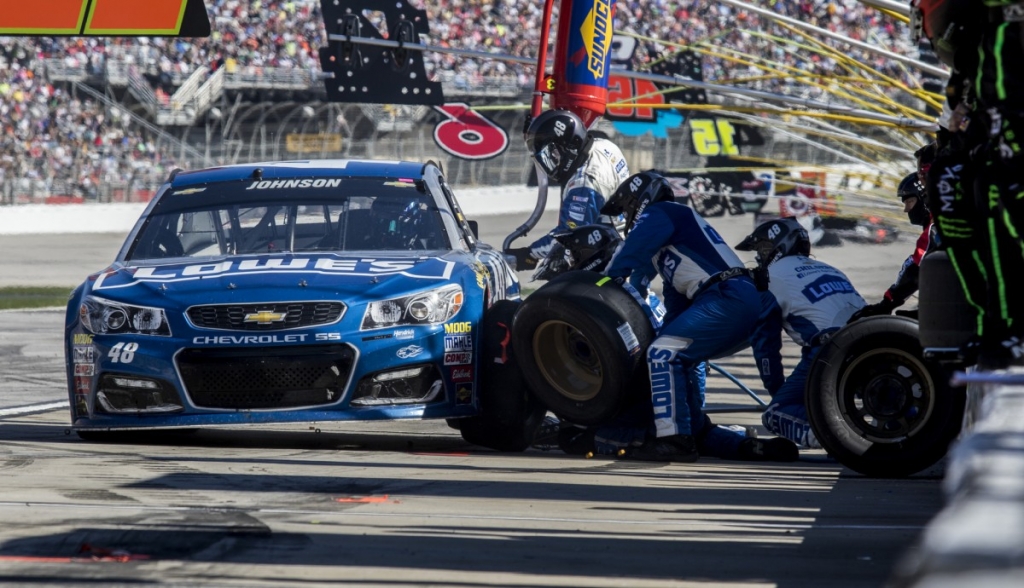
912 192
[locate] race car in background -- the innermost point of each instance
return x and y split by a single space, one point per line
300 291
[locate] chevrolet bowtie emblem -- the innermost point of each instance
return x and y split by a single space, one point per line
265 317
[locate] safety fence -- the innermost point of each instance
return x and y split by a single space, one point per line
236 131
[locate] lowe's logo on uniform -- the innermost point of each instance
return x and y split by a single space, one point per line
458 343
826 286
669 262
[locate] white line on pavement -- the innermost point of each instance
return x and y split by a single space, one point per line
348 513
32 409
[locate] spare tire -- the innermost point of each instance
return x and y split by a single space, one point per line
509 414
581 338
876 405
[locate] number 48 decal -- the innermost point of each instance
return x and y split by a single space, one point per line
713 136
123 352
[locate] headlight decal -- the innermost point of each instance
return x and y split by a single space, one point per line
432 307
107 317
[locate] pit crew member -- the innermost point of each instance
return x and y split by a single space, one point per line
912 192
808 299
711 306
591 169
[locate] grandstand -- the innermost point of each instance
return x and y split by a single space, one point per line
106 119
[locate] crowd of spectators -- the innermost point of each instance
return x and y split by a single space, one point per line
55 144
52 135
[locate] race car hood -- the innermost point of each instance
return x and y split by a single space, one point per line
281 276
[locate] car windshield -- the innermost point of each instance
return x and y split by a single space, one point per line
297 216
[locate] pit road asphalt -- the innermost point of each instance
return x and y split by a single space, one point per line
409 503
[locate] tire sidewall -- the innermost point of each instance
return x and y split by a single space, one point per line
825 402
597 312
509 413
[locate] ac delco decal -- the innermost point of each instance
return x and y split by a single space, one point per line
467 134
460 358
462 374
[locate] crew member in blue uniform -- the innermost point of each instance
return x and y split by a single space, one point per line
711 305
591 168
808 299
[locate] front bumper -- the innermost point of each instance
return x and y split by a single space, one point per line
155 382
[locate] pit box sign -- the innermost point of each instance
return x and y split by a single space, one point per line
106 18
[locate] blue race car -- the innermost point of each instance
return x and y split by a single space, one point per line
300 291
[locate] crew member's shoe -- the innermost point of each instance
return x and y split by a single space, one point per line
774 449
680 448
546 437
576 440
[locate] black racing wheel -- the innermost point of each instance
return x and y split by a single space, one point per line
876 405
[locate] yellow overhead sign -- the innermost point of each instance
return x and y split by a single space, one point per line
320 143
109 18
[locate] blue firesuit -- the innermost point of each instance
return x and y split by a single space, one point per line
706 316
809 300
586 192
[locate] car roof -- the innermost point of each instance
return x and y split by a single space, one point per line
309 168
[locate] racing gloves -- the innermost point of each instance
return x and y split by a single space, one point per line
524 259
885 306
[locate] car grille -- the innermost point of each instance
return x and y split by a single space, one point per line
292 315
266 377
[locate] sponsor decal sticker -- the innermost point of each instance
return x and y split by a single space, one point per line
629 338
430 269
85 369
462 374
409 352
481 277
83 354
458 328
82 339
83 384
459 358
458 343
378 337
464 394
402 334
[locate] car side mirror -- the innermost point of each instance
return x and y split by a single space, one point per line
474 227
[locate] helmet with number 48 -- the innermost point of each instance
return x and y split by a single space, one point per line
776 239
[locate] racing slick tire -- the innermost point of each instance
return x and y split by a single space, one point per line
509 414
876 405
581 338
